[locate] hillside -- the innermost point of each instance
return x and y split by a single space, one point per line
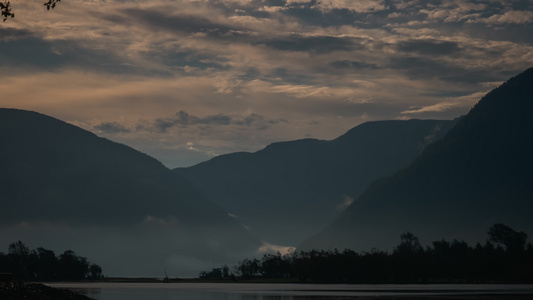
479 174
62 186
290 190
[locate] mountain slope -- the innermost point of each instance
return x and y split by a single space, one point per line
479 174
290 190
59 176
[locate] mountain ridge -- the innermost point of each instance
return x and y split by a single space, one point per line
477 175
58 178
288 189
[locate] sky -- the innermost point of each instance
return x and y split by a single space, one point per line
186 80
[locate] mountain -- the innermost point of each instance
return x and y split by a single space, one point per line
64 187
290 190
479 174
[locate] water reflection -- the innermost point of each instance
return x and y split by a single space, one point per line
239 291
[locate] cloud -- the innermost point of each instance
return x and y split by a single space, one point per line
346 201
362 6
509 17
271 248
314 44
272 9
10 34
466 101
455 11
111 127
346 64
298 91
429 47
247 73
182 118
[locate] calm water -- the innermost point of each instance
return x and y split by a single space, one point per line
250 291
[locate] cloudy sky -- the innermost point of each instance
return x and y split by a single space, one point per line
185 80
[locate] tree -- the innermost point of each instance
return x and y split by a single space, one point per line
409 244
21 260
409 260
513 241
73 266
5 8
95 271
48 264
19 249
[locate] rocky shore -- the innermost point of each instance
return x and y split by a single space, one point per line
35 291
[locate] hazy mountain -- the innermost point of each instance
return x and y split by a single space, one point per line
479 174
290 190
63 187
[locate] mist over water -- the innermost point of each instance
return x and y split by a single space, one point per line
138 251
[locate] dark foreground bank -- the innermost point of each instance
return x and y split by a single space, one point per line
36 291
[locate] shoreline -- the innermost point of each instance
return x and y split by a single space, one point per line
71 290
319 291
14 290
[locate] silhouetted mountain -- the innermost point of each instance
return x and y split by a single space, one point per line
290 190
479 174
56 179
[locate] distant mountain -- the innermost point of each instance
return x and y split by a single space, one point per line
479 174
290 190
64 187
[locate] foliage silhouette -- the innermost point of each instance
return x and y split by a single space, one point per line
43 265
442 262
5 8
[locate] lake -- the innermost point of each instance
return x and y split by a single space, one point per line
256 291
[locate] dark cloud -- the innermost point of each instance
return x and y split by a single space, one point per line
290 76
418 68
309 14
348 64
189 58
184 119
250 119
250 74
315 44
190 24
181 23
7 34
428 47
258 121
516 33
30 52
111 127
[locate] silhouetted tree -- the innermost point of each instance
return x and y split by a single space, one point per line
20 260
249 268
408 259
275 266
513 241
409 244
48 264
5 8
43 265
95 271
72 266
443 261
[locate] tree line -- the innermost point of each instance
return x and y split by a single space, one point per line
504 258
43 265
